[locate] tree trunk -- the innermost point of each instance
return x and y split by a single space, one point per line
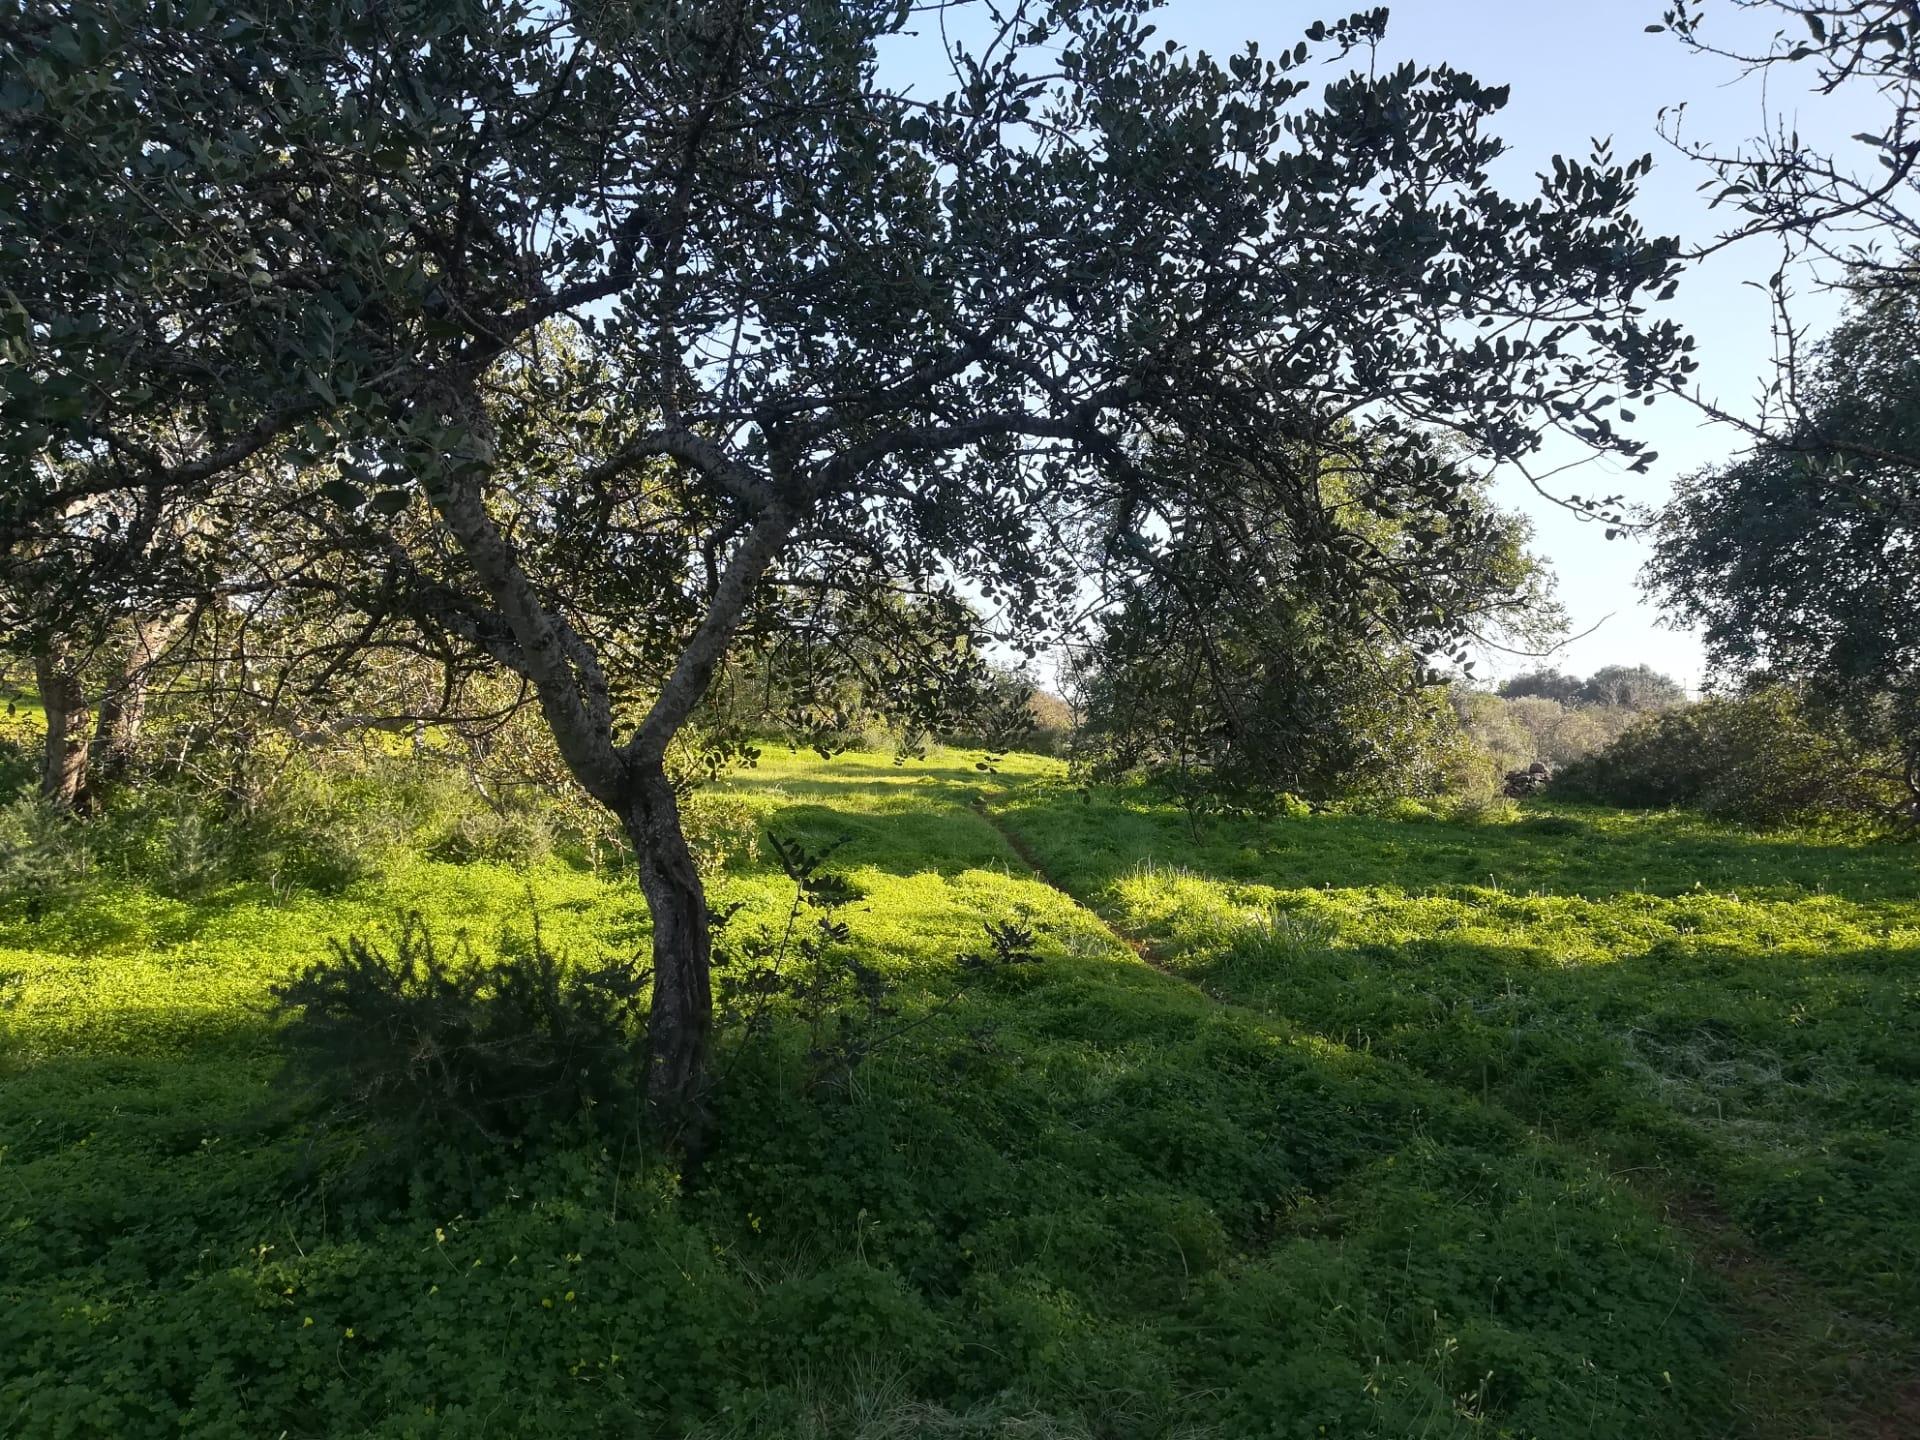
63 773
680 1022
123 708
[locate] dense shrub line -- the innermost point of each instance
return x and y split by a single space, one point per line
1764 757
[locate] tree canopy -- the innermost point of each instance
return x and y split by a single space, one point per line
1802 557
587 339
1222 663
1636 687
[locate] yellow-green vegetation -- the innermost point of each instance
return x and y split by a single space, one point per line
1729 1018
1396 1149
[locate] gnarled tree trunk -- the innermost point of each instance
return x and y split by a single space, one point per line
123 707
63 695
534 638
680 1021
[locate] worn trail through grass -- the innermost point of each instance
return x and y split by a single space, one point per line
1770 1298
1811 1358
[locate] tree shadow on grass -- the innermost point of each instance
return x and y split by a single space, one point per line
1084 1183
1769 1080
1090 839
880 789
121 1161
911 841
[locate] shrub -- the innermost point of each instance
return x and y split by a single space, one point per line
439 1043
1763 757
1515 731
1482 808
20 748
722 829
324 821
44 854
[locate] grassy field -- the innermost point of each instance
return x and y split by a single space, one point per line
1571 1125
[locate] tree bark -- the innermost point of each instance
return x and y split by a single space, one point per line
63 773
123 708
631 780
680 1020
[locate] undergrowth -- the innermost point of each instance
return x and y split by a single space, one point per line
1724 1016
1070 1197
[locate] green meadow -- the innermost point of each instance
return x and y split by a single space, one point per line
1560 1123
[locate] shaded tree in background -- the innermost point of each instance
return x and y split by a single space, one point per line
1513 733
817 334
1763 757
1222 665
1633 687
1556 718
1543 684
92 648
1798 558
1801 559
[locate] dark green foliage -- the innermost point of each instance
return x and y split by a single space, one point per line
20 749
1234 713
1801 559
1633 687
437 1045
1764 757
1227 669
1547 684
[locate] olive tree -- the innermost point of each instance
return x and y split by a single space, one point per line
823 332
1234 663
1800 560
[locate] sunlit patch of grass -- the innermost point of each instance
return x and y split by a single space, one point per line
1721 1012
1323 1191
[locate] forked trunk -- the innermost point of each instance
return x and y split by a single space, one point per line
63 773
123 707
680 1022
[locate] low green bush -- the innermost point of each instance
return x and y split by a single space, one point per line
1763 758
20 750
436 1044
44 854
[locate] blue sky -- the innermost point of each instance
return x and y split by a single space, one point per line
1580 69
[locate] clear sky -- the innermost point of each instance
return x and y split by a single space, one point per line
1580 69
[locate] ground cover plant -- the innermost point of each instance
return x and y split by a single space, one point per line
1725 1016
446 444
1084 1198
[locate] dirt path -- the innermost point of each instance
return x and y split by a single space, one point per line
1033 862
1799 1363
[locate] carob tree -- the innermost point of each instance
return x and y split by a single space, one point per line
579 333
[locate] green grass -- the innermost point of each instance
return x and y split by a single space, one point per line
1728 1018
1392 1152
